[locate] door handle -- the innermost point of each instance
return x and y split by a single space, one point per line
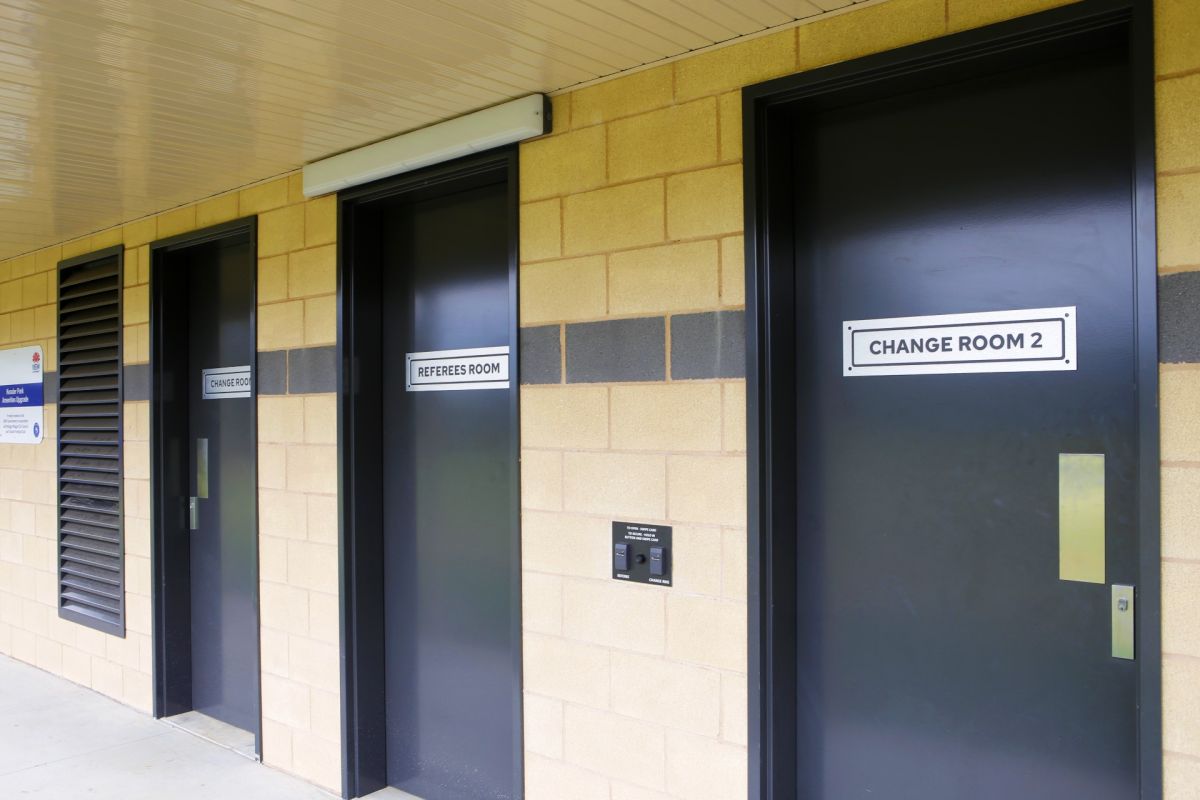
1123 621
193 513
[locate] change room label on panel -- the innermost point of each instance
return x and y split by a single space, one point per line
226 382
1031 340
451 370
21 396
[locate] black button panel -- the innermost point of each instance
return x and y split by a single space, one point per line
642 553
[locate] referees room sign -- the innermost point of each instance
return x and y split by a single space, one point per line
1032 340
457 370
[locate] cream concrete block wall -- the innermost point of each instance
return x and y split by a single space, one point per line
298 601
30 628
632 208
1177 62
297 480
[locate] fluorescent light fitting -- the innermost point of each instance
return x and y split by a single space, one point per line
482 130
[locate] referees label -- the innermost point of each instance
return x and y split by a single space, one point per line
457 370
223 383
1032 340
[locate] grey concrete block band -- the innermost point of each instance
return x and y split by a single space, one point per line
1179 318
307 370
304 370
271 376
312 370
617 350
541 354
710 345
136 382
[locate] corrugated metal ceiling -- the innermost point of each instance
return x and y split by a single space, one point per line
114 109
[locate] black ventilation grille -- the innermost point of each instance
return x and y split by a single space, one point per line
91 573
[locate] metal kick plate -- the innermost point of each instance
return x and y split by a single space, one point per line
1122 621
1081 542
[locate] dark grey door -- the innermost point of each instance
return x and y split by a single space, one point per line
224 610
940 655
449 516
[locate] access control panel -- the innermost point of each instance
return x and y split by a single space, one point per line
641 553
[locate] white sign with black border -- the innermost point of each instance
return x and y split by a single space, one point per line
1030 340
457 370
223 383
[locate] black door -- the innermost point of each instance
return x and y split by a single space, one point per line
223 506
448 492
940 656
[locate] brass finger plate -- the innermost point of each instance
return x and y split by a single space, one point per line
202 469
1081 517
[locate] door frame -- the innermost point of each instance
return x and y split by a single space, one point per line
360 534
170 557
771 380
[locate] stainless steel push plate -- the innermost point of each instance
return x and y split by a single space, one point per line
1122 621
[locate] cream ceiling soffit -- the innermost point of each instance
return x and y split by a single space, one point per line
834 9
114 110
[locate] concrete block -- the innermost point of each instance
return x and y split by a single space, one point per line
666 278
566 289
541 354
674 417
622 97
708 345
615 483
671 139
568 417
614 218
706 202
616 350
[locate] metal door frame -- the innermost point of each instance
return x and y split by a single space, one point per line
360 535
170 558
771 379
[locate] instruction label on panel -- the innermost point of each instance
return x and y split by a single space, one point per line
457 370
22 402
1032 340
223 383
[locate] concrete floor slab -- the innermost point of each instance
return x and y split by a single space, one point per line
60 741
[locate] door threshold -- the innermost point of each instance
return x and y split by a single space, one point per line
390 793
213 730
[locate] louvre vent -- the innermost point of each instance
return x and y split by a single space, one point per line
91 576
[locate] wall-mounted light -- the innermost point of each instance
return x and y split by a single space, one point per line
482 130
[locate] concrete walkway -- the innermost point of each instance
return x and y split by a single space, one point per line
59 741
